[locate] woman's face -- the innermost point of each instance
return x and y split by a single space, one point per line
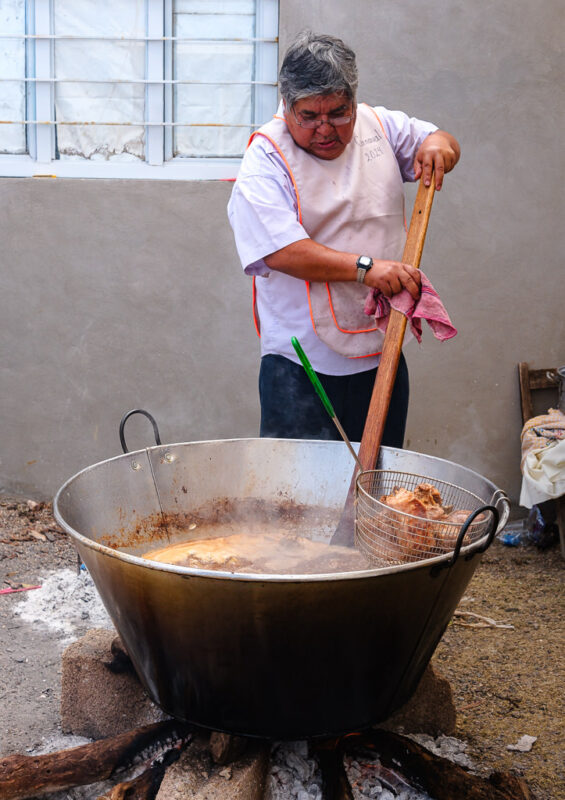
326 141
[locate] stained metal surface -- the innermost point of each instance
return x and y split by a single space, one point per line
277 656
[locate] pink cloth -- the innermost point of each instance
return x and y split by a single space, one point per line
428 307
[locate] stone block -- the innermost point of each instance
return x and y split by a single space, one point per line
97 702
195 776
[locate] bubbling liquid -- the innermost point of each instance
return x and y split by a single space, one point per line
225 548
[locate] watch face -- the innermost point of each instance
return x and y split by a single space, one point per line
364 261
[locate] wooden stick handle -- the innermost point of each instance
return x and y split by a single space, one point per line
388 366
394 336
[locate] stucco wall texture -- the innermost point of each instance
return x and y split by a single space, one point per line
124 294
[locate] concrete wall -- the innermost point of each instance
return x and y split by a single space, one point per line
121 294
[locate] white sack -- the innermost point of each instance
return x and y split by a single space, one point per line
543 474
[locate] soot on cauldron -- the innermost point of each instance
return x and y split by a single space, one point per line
220 648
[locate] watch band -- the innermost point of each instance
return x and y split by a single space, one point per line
364 264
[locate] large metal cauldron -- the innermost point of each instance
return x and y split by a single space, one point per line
276 656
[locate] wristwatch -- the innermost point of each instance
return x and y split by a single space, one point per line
364 264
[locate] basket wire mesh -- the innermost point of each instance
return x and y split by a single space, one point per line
387 535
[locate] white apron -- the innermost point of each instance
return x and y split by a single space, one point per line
353 203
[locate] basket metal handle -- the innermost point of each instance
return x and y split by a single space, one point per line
501 501
459 544
125 419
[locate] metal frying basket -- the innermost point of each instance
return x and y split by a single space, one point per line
388 536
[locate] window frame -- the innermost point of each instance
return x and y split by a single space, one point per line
159 163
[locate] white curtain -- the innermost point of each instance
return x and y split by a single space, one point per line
12 65
95 62
217 101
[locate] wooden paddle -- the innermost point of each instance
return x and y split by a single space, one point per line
388 366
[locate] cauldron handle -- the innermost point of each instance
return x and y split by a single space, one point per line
463 531
125 419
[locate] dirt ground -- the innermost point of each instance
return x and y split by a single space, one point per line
507 681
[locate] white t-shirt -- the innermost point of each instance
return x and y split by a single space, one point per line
263 214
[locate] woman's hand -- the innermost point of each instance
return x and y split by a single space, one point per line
439 152
391 277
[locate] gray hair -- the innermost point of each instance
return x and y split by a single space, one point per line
317 64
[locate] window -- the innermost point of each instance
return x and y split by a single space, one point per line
134 88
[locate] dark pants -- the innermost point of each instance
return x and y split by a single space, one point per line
291 409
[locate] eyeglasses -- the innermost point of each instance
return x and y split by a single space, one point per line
312 124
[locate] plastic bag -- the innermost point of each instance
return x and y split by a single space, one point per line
537 528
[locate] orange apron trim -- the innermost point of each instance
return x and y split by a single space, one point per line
256 320
386 137
336 323
367 330
378 118
287 165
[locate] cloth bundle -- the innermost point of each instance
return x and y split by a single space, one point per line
427 307
543 458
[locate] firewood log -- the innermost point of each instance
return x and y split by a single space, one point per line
146 785
329 756
22 776
439 777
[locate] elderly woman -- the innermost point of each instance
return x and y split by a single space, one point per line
318 217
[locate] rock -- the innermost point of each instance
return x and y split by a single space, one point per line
96 702
226 748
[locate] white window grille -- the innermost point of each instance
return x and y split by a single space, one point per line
134 88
